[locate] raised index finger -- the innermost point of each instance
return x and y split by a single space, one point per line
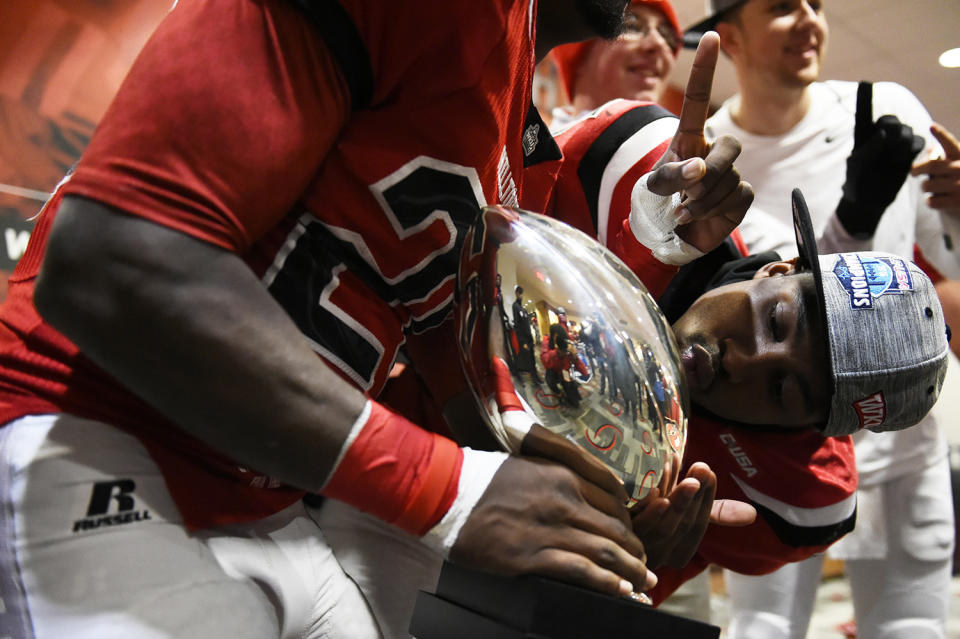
689 140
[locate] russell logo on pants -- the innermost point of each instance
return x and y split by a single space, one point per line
118 493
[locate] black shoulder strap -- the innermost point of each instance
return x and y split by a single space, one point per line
337 29
863 124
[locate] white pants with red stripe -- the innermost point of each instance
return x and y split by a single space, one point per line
92 546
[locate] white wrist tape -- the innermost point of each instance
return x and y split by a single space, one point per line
654 225
479 467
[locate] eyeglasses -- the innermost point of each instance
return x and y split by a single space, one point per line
637 27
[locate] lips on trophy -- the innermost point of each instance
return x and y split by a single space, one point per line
554 329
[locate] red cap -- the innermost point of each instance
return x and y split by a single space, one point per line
567 57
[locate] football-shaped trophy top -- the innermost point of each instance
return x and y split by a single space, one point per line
554 329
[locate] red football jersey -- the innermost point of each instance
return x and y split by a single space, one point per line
342 158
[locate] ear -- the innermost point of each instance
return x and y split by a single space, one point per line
730 40
776 269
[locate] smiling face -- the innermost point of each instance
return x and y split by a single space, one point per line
635 65
755 352
778 41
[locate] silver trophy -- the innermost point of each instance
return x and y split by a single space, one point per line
553 329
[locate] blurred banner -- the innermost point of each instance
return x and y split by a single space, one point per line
61 62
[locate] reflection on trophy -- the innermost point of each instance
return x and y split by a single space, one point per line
604 372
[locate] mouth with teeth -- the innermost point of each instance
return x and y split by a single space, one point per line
804 51
646 74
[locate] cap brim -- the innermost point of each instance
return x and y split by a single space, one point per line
808 260
691 37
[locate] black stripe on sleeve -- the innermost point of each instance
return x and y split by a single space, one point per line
338 31
602 149
799 536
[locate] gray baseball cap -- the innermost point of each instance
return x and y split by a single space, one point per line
716 8
887 339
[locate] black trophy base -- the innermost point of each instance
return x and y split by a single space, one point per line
474 605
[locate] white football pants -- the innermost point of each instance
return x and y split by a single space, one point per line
92 546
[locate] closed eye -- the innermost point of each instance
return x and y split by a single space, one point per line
774 324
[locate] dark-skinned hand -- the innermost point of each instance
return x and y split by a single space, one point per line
714 198
541 517
672 527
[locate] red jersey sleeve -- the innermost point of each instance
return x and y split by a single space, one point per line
549 357
252 101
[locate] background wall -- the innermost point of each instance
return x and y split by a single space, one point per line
61 62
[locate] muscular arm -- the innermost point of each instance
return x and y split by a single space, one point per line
189 328
181 321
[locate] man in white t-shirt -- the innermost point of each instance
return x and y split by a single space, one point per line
797 132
